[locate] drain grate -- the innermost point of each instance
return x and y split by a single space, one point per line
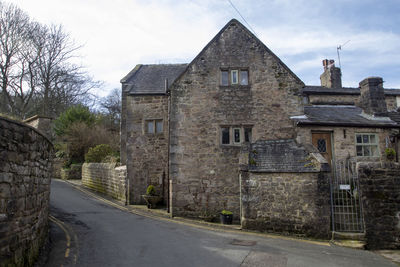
246 243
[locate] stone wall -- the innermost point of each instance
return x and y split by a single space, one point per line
333 99
343 139
204 173
296 203
380 192
391 102
284 188
106 178
25 174
147 154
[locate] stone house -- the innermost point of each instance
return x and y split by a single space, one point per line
236 128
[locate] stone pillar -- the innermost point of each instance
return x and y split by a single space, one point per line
372 99
332 76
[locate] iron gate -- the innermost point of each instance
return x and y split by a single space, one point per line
347 215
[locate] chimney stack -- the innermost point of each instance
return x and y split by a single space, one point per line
372 99
331 77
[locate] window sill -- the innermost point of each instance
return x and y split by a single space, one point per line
235 86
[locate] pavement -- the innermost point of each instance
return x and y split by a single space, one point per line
163 215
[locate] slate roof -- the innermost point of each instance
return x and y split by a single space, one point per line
279 156
150 79
341 115
395 116
321 90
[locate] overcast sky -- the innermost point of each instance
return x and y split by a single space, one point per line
118 34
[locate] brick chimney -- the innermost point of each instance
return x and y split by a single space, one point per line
372 99
332 76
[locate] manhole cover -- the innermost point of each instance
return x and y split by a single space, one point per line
247 243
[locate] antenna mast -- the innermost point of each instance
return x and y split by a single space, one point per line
338 55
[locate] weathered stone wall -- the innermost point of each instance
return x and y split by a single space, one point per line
344 144
296 203
105 178
205 173
380 192
74 172
333 99
147 154
391 102
25 173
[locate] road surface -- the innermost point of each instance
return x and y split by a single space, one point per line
87 232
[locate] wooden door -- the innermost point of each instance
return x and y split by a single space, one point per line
322 141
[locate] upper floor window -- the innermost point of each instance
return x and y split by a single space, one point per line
234 77
154 126
367 145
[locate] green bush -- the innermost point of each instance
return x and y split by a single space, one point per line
151 191
98 153
75 114
390 153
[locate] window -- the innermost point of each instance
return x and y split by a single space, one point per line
235 135
244 77
225 77
234 77
247 134
150 127
159 126
225 135
154 126
367 145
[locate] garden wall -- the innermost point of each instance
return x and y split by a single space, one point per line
106 178
25 174
380 193
285 189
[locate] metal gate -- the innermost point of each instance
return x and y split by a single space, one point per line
347 215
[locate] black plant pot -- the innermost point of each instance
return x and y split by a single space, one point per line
226 219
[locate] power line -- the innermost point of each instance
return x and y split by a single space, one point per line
242 17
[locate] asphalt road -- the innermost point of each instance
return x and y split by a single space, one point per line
88 232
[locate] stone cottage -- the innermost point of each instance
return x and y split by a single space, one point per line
236 128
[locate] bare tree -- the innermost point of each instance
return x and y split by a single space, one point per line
37 73
111 106
14 33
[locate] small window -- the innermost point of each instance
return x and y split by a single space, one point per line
247 134
224 78
236 135
225 136
367 145
159 126
234 77
150 127
244 77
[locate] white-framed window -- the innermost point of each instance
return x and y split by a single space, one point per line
234 77
235 135
154 126
367 145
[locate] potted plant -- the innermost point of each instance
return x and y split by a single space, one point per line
390 154
207 216
151 197
226 217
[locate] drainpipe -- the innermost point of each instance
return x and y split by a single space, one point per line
168 143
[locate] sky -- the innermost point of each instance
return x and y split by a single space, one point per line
119 34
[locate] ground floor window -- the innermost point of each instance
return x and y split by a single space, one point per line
235 135
367 145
